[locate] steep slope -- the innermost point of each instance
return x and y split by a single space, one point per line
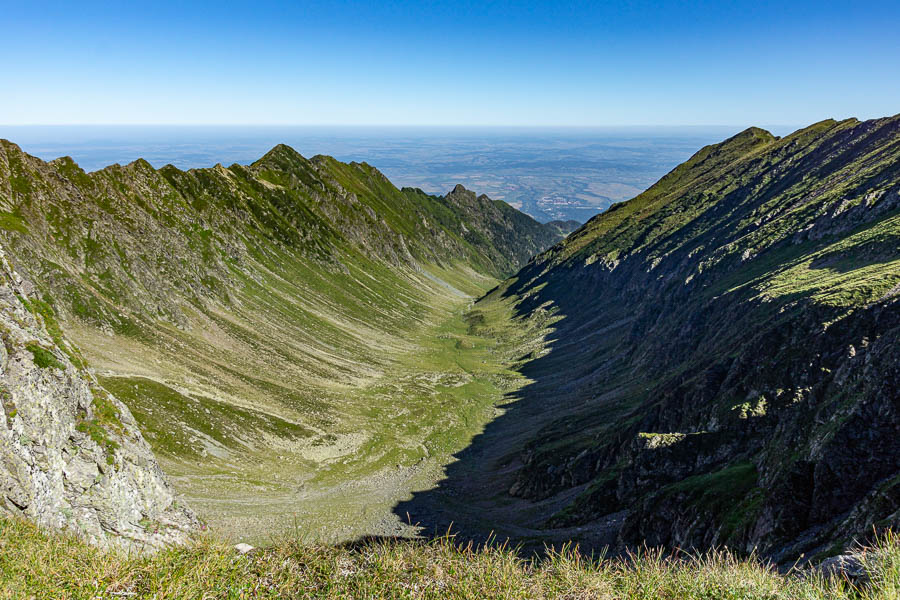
277 329
72 455
721 359
493 224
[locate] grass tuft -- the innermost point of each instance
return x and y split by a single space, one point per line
43 358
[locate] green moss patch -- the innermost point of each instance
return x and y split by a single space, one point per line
730 495
12 222
43 308
104 423
43 357
9 408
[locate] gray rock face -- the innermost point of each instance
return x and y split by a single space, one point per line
71 455
850 566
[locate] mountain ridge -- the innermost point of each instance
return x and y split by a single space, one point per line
252 318
718 363
836 196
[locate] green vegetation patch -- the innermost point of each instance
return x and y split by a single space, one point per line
9 407
100 437
851 271
12 222
718 486
43 358
44 309
167 419
69 169
105 412
105 420
730 495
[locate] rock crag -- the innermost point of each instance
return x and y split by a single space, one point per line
72 456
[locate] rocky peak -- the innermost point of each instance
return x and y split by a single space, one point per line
460 194
281 157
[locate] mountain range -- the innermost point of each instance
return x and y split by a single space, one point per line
301 343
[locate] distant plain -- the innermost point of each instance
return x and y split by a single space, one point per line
549 173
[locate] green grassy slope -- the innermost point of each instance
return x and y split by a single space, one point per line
272 327
51 567
722 363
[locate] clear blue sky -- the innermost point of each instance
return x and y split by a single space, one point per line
471 63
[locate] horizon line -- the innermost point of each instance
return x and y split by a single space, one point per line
409 125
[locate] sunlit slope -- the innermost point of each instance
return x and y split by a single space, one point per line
255 319
723 365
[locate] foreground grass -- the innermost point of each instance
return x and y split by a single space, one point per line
37 565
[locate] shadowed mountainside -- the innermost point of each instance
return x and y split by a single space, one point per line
719 363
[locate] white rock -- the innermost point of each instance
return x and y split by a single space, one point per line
244 548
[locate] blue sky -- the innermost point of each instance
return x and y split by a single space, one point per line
463 63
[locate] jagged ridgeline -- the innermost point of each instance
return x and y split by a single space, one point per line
724 366
277 329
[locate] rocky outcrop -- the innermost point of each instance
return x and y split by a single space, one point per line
71 455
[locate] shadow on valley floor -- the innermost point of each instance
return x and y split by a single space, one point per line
473 501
